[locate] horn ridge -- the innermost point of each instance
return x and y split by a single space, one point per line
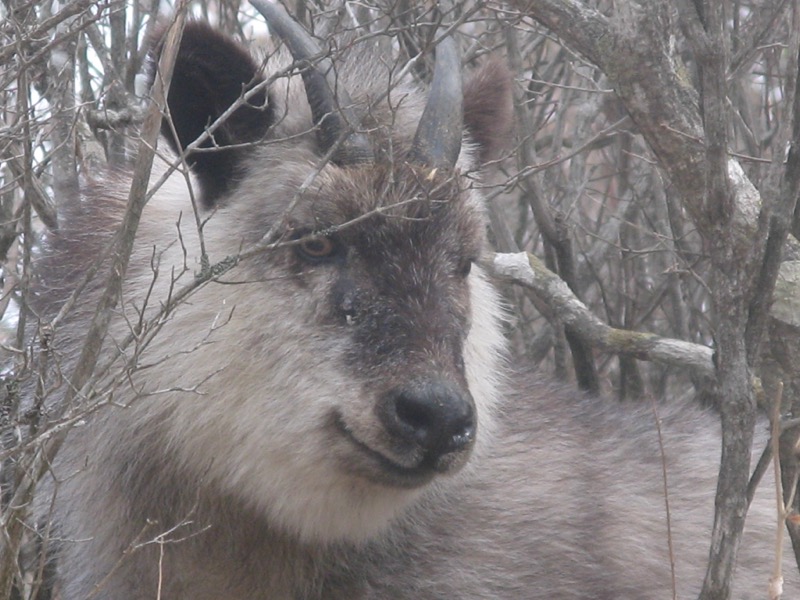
437 141
331 106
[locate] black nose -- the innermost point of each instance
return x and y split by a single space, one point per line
432 415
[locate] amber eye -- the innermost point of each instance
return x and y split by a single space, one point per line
316 248
464 267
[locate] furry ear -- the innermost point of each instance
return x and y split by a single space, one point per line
488 108
211 72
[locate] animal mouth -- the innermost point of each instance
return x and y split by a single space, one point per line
380 468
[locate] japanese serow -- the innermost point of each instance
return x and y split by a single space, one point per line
329 414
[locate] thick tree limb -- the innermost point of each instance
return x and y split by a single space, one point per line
636 50
528 271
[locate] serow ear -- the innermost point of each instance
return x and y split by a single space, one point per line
212 71
488 109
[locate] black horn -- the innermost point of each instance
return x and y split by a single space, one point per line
437 141
331 107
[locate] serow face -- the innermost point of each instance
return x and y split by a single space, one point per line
392 263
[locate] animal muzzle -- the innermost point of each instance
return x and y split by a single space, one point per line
432 420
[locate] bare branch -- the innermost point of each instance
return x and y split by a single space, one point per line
527 270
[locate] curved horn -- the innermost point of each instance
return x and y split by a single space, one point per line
330 103
437 141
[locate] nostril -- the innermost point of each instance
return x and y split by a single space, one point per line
418 416
434 416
